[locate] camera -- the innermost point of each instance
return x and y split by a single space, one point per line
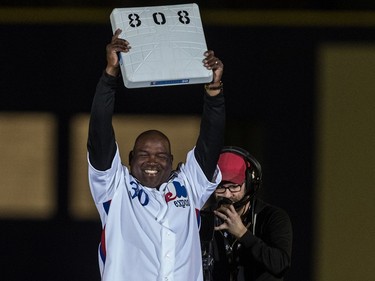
224 201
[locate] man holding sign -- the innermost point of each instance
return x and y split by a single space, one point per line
148 211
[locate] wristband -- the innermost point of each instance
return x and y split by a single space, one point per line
208 88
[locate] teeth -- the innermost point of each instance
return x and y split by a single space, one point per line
151 171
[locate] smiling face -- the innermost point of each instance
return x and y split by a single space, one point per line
151 159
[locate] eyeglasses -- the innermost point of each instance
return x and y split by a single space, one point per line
232 188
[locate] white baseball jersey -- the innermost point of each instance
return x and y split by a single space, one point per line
150 234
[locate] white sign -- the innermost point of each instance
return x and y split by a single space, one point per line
167 43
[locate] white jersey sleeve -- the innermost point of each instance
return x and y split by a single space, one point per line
201 188
103 184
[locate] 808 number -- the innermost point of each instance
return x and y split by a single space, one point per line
159 18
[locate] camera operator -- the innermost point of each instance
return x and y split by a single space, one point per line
252 239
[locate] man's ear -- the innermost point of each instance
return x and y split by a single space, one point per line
131 154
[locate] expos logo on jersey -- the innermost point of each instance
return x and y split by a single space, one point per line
177 193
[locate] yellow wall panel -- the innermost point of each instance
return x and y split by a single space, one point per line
27 181
345 161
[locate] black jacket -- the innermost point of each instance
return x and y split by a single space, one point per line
263 256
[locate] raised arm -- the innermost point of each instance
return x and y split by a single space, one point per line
101 139
211 136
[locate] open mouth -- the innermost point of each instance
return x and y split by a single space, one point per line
151 172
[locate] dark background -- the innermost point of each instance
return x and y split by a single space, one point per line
212 4
270 86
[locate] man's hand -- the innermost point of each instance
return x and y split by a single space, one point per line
215 64
116 45
232 221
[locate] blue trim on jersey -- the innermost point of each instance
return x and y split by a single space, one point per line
102 246
106 206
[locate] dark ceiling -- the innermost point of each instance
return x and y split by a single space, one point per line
211 4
